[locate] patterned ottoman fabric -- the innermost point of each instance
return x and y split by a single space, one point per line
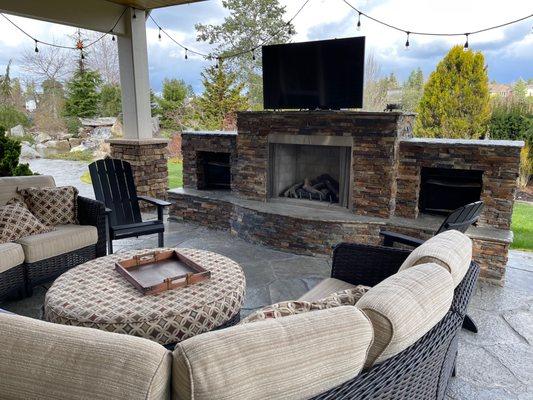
94 295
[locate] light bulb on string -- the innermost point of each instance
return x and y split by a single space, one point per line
36 48
290 28
82 55
134 14
407 41
159 34
466 43
112 35
253 54
359 22
186 56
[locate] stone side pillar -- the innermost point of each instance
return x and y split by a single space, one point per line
148 159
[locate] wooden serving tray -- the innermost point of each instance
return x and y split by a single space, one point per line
157 271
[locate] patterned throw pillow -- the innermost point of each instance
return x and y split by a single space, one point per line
53 206
17 222
346 297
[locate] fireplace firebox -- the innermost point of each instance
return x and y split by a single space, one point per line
213 170
443 190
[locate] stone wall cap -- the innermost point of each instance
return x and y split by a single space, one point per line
210 133
465 142
353 113
138 142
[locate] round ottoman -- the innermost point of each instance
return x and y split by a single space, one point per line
94 295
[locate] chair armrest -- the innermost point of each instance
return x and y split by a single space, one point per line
155 202
93 212
361 264
392 237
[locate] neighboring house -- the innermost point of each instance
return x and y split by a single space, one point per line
499 89
31 105
529 90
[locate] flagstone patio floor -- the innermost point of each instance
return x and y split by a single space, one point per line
496 363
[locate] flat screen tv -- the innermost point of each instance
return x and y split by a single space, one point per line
326 74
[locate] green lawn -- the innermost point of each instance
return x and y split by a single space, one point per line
522 226
175 173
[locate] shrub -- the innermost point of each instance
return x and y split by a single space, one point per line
9 157
73 125
10 117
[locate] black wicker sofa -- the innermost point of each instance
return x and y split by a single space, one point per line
421 371
19 280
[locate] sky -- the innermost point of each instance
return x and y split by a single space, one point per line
508 51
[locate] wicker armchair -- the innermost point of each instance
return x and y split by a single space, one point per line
90 212
423 370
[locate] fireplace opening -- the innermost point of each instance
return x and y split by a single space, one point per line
310 172
213 170
443 190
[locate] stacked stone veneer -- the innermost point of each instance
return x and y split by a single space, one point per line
148 159
197 142
374 151
385 182
499 161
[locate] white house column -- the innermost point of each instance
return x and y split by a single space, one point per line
134 79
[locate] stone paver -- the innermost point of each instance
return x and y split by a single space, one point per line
496 363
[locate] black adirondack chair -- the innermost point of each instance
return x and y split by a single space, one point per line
114 186
459 220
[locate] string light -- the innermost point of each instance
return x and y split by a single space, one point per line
159 34
36 48
253 55
112 35
186 56
407 42
290 28
361 13
134 14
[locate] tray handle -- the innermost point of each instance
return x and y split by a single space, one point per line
169 283
146 257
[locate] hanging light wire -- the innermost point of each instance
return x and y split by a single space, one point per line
231 55
435 33
59 46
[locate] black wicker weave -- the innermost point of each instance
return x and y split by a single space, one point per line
12 282
423 370
92 212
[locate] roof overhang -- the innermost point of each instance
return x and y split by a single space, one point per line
96 15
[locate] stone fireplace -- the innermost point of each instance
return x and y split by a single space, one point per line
305 181
310 168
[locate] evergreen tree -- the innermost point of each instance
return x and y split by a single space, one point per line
110 100
520 89
455 102
172 101
222 97
412 90
83 98
50 106
9 157
5 86
250 23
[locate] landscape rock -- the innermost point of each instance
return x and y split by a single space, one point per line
155 125
63 136
17 131
28 152
80 147
116 129
42 137
74 142
95 122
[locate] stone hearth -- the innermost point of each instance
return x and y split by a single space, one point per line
383 180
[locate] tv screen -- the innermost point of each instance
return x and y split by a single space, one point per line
326 74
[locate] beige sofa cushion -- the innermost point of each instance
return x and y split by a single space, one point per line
451 250
404 307
9 185
11 255
296 357
324 288
50 361
63 239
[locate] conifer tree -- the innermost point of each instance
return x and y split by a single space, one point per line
83 99
222 97
455 103
412 90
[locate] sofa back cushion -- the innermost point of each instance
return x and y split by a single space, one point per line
50 361
295 357
10 184
450 249
404 307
